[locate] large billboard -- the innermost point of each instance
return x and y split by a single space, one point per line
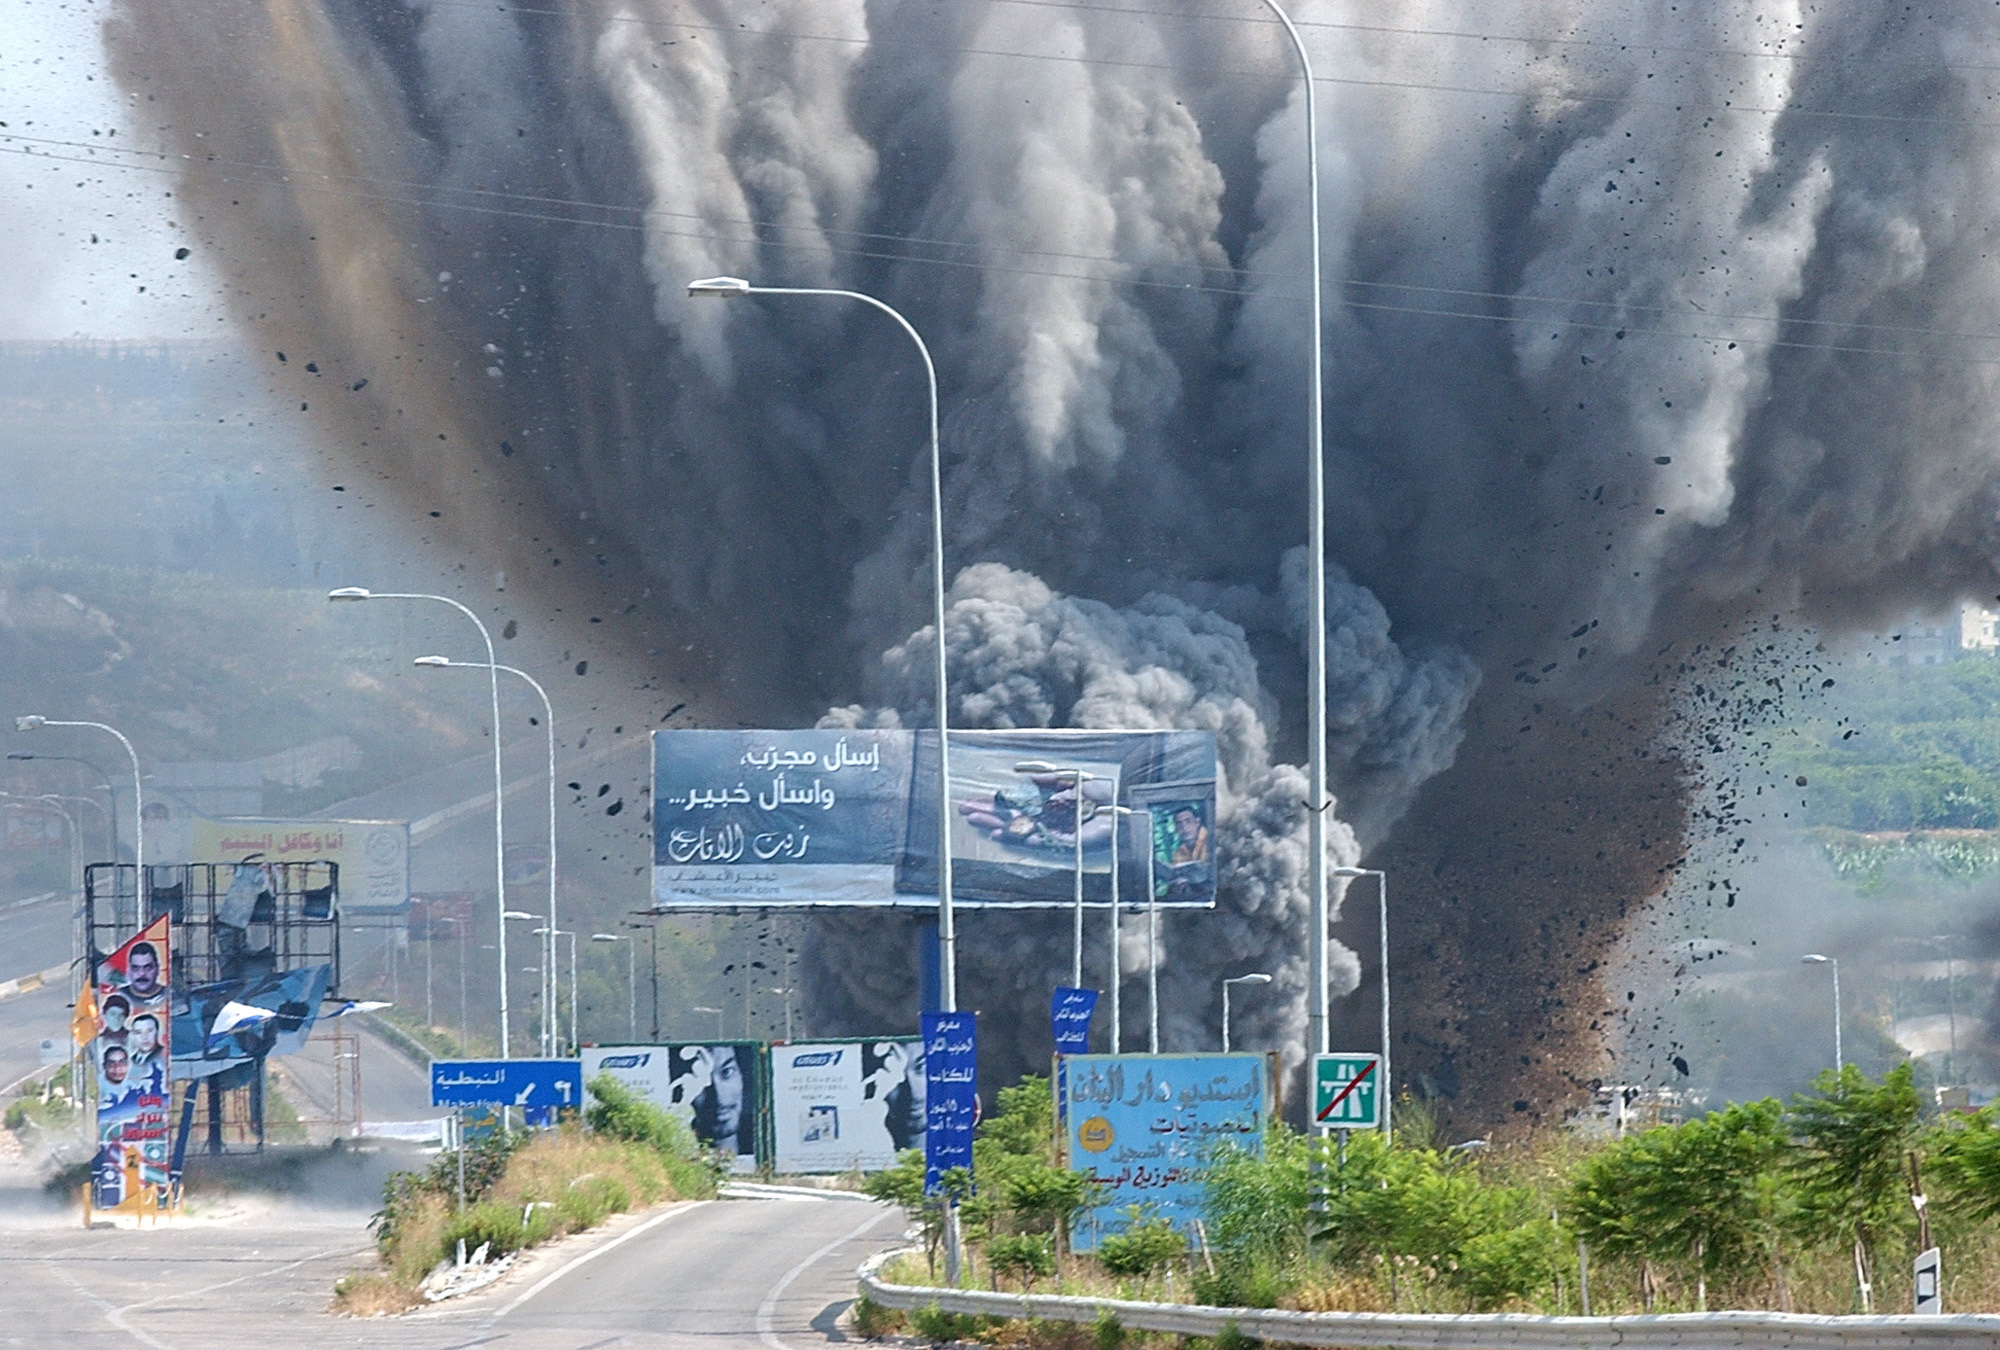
717 1089
839 1106
849 817
1141 1126
374 855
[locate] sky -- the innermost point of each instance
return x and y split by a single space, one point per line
88 250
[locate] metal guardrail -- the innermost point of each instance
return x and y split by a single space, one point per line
1469 1331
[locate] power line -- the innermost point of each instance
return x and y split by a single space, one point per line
1414 310
872 43
289 180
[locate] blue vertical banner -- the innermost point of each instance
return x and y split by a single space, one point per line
1069 1019
951 1093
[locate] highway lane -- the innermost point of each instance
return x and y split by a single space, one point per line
247 1272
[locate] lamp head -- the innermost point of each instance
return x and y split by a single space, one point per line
518 914
1258 978
1349 872
719 286
1035 766
1815 959
432 661
351 593
30 722
21 754
608 937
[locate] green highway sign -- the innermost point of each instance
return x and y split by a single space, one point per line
1347 1092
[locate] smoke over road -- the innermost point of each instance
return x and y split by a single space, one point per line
1643 319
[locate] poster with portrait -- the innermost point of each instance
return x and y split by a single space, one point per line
716 1088
837 1106
130 1055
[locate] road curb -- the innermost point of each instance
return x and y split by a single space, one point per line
27 984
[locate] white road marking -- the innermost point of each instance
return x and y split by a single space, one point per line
592 1255
767 1310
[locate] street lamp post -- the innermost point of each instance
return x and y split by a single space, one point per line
1815 959
631 977
1152 943
575 1037
35 720
1382 930
1318 805
548 722
109 788
499 786
654 929
1118 815
458 928
786 990
727 287
1041 768
522 916
1258 977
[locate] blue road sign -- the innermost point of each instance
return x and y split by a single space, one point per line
538 1084
1069 1019
951 1093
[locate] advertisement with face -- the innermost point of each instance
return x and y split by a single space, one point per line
130 1053
715 1088
841 1105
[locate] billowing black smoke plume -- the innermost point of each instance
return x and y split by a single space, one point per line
1643 317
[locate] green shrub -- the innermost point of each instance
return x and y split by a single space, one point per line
1514 1263
935 1324
1107 1333
616 1110
1243 1284
1021 1256
1143 1248
873 1321
1231 1337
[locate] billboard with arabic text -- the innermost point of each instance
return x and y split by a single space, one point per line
849 817
1141 1127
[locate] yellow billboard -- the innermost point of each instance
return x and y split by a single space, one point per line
374 855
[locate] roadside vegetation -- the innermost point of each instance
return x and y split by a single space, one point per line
1803 1206
526 1188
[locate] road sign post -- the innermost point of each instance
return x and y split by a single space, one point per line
1347 1092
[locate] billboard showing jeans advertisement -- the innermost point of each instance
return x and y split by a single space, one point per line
849 817
1141 1127
839 1106
717 1089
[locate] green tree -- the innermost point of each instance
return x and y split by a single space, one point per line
1853 1135
1965 1166
1698 1193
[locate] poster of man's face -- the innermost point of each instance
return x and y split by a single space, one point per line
718 1085
892 1073
142 973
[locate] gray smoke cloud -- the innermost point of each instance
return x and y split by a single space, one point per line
1022 655
1641 316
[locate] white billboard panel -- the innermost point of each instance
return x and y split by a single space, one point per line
837 1106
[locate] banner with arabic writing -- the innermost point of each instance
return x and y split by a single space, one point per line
1142 1127
849 817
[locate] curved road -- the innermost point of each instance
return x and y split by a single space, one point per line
754 1274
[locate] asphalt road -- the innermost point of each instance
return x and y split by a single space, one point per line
246 1272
